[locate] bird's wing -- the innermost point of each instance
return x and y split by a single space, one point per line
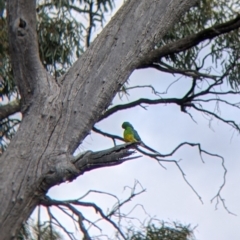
136 135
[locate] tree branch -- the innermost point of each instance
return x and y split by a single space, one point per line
138 103
117 42
66 170
161 159
185 72
27 67
62 113
51 216
207 112
89 29
190 41
9 109
72 205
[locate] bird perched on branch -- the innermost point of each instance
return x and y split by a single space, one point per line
130 134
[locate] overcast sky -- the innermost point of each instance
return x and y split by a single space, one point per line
168 197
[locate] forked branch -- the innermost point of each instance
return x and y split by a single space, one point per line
72 208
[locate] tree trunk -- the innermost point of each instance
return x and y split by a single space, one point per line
58 114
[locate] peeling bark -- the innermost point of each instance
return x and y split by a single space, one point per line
57 116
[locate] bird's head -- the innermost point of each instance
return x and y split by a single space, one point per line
126 124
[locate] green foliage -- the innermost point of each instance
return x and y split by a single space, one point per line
222 52
63 29
163 231
58 37
62 33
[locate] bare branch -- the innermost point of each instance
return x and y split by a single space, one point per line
159 157
46 201
9 109
218 100
185 72
154 91
209 113
71 205
139 102
218 196
69 234
132 195
89 29
81 218
71 167
67 5
110 157
113 137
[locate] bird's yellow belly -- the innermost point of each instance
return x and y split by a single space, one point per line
129 138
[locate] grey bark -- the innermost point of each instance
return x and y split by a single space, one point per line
58 115
9 109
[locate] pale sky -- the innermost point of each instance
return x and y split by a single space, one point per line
167 196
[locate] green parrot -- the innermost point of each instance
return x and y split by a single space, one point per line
130 134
